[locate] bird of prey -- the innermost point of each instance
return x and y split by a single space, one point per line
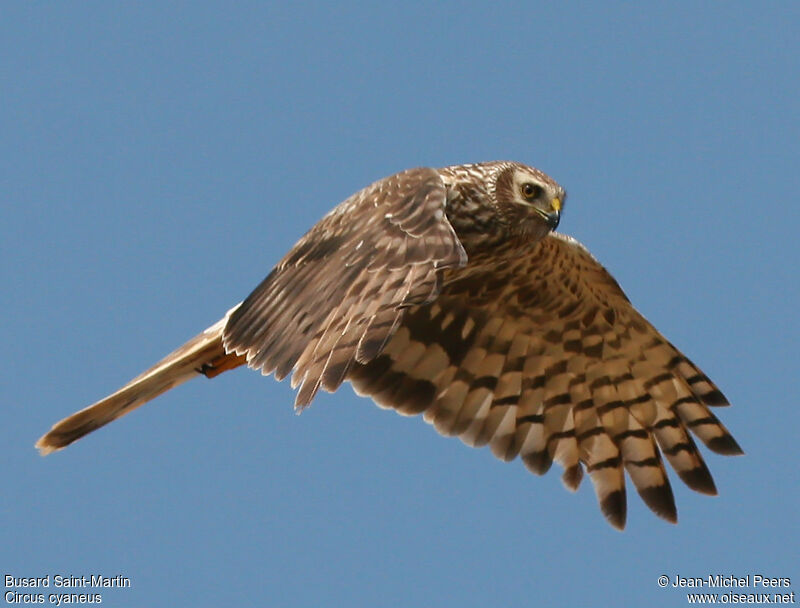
447 293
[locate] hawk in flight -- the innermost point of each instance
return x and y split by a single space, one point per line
446 293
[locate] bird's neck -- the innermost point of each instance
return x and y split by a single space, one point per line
475 220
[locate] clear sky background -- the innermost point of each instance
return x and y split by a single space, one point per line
156 159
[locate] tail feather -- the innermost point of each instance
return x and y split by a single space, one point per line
203 354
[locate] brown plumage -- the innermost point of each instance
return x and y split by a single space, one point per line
446 293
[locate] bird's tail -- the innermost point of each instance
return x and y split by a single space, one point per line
203 354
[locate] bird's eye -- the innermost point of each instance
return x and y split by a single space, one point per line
531 191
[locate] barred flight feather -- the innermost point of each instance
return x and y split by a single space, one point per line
553 370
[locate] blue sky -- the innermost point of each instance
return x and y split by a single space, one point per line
157 159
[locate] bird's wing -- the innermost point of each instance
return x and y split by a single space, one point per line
338 295
536 351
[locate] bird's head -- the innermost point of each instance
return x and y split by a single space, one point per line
528 200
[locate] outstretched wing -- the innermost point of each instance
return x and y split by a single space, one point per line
537 352
339 294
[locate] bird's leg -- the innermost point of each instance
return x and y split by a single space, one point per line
221 364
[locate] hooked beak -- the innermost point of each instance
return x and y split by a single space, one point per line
554 216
